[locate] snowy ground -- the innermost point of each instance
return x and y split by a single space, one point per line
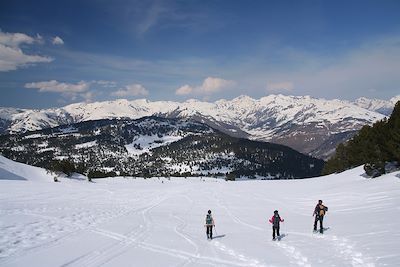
156 222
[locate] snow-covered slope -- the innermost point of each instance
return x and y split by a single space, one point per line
11 170
159 222
302 122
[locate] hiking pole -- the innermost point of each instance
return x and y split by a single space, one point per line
215 229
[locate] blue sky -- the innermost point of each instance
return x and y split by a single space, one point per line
54 53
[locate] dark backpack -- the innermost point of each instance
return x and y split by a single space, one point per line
276 220
208 219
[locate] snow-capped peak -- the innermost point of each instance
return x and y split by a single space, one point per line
395 99
378 105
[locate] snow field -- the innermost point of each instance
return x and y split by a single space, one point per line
160 222
147 143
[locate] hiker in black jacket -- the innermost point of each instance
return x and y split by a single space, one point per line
319 213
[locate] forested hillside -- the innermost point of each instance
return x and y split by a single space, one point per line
154 146
376 146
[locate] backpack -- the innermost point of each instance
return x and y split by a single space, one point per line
208 219
322 210
276 220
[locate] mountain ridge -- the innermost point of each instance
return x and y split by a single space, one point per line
302 122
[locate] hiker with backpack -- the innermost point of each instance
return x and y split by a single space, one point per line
209 225
275 220
319 213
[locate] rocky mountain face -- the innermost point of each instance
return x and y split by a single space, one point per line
154 146
309 125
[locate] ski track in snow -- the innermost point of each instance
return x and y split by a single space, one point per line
81 220
36 235
289 251
240 257
345 248
294 253
164 222
134 237
235 218
180 231
342 248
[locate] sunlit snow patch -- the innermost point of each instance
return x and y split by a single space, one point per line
86 145
144 143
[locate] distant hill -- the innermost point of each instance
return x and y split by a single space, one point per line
154 146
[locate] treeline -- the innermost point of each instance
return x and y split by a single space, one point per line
377 146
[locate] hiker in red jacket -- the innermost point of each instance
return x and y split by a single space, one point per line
275 220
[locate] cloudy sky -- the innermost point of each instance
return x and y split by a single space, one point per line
54 53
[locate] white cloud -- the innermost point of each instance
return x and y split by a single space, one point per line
370 69
213 85
131 90
57 41
58 87
87 96
153 15
71 91
106 84
210 85
14 58
15 39
280 86
11 55
184 90
39 39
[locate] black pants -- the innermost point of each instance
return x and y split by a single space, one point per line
320 219
275 229
209 231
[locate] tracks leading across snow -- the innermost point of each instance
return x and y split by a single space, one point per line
339 247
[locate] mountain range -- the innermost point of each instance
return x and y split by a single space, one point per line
310 125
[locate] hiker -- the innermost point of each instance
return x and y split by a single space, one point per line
209 225
319 213
275 220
